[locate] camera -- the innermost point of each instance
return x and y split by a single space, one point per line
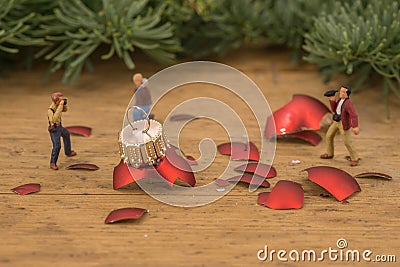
330 92
336 117
65 101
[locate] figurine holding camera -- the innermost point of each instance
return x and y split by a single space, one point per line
344 119
56 130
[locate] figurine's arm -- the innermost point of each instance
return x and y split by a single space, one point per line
56 117
353 118
333 103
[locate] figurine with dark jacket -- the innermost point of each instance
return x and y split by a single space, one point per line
344 119
56 130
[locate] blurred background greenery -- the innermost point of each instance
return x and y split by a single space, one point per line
358 38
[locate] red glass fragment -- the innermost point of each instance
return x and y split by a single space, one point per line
191 160
181 117
124 214
345 202
264 170
250 179
285 195
83 166
373 175
26 189
262 198
79 130
337 182
173 167
302 112
124 175
307 135
221 182
240 151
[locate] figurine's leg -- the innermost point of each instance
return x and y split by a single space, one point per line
330 137
55 139
348 142
67 141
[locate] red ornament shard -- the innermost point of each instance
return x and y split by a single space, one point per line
240 151
250 179
79 130
173 167
83 166
181 117
124 175
124 214
262 198
191 160
221 182
373 175
302 112
309 136
264 170
26 189
337 182
285 195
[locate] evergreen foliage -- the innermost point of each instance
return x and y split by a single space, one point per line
361 38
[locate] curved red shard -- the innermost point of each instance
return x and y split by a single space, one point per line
337 182
124 214
302 112
181 117
79 130
262 198
83 166
124 175
221 182
173 167
307 135
264 170
191 160
373 175
26 189
240 151
250 179
285 195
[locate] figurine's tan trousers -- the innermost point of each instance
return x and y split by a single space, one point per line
346 137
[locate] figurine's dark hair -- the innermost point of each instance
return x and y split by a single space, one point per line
348 89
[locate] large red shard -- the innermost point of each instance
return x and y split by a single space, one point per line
303 112
285 195
337 182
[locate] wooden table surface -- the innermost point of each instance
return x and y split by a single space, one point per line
63 224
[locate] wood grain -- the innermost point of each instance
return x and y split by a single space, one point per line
63 225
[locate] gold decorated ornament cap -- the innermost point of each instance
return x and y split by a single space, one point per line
142 142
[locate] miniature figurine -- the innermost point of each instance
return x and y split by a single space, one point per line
344 118
56 129
142 97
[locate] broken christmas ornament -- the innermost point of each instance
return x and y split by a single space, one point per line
142 142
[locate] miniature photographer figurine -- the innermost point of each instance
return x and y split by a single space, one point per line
344 118
56 129
142 96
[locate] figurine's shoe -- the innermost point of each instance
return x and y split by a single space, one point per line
73 153
53 166
349 158
325 156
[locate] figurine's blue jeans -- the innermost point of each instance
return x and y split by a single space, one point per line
56 140
139 115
